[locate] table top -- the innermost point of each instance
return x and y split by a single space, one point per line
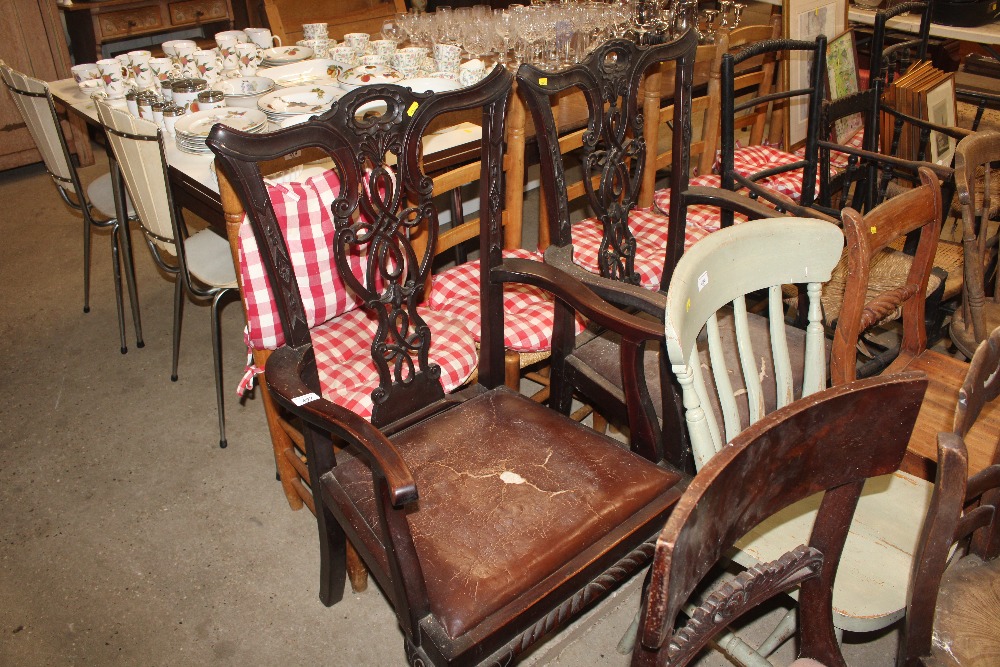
987 34
197 169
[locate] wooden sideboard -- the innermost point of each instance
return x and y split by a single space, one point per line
91 25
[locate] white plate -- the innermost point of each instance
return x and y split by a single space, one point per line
366 75
287 54
321 72
200 123
299 100
245 86
427 83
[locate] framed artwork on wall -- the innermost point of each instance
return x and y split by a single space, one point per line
842 80
805 20
941 111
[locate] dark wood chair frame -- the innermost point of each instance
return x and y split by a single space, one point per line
409 392
823 442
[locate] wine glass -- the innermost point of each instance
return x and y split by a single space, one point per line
392 29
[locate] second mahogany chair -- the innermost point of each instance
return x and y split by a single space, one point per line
833 442
445 496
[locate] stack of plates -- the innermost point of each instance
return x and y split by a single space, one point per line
298 101
244 91
192 130
282 55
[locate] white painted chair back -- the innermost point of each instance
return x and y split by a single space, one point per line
144 168
716 273
34 102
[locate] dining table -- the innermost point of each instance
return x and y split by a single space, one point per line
193 180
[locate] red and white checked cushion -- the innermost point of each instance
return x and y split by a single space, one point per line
752 159
303 213
528 311
347 374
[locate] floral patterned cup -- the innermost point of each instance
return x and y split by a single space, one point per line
374 59
382 47
227 47
139 64
447 57
82 74
408 60
249 57
315 31
208 64
471 72
343 58
113 78
357 41
185 58
162 68
262 37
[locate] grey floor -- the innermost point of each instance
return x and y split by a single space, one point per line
128 536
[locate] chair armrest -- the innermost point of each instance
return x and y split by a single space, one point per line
284 380
622 295
942 172
580 297
733 201
778 199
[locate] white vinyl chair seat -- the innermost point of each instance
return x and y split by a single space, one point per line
872 581
209 259
102 196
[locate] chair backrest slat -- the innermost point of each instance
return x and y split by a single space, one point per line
137 146
33 99
709 287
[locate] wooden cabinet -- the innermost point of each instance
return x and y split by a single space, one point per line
91 25
31 41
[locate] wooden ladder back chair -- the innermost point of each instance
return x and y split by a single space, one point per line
96 202
954 592
199 262
614 156
473 458
759 78
285 17
781 178
976 181
819 444
918 210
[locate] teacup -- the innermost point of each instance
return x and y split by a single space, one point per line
126 64
238 35
84 73
139 64
343 57
170 47
227 47
319 45
113 78
447 57
249 57
382 47
408 60
185 58
162 68
208 64
315 31
374 59
262 37
471 72
357 41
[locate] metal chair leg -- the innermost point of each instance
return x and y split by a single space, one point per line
119 300
217 358
133 293
87 231
178 314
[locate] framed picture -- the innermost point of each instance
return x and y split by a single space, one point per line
941 111
842 80
805 20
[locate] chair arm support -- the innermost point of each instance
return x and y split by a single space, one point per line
284 380
578 297
778 199
622 295
733 201
911 166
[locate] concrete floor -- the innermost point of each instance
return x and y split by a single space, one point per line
129 537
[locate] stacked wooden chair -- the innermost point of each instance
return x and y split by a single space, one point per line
421 485
954 586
